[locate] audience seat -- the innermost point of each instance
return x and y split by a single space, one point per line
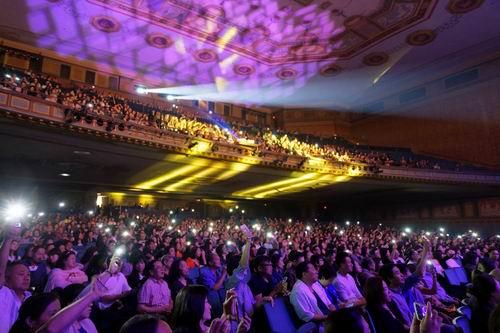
465 311
280 318
463 323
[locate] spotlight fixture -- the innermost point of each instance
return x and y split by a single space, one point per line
64 174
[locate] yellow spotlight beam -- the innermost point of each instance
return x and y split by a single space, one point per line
235 169
253 190
188 180
298 187
170 175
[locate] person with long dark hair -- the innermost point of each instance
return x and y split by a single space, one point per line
35 312
378 298
487 293
192 310
178 277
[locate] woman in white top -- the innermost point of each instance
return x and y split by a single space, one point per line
67 273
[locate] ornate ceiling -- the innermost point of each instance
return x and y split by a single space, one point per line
256 46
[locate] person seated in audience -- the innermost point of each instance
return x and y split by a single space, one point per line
496 271
402 289
308 297
67 273
262 283
452 259
294 258
14 281
137 276
435 289
74 318
368 269
35 312
154 295
487 295
178 277
213 277
145 324
192 313
326 277
111 312
344 282
38 268
378 299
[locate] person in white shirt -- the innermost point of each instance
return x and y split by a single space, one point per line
308 297
14 283
344 283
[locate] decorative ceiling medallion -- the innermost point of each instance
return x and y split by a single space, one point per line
375 59
287 74
105 23
330 70
159 40
244 69
205 55
306 50
463 6
421 37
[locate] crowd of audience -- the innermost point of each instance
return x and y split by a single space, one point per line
87 103
146 272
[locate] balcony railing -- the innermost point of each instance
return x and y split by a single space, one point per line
16 105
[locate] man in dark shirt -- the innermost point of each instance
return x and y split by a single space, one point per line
37 268
262 282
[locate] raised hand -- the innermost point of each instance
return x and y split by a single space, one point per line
220 326
244 325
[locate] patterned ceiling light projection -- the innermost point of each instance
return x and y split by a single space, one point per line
375 59
298 32
463 6
287 74
205 55
244 69
330 70
421 37
159 40
105 23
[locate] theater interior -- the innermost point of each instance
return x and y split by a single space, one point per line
382 112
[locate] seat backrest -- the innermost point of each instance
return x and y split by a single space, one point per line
465 311
278 317
463 323
462 275
452 277
369 319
